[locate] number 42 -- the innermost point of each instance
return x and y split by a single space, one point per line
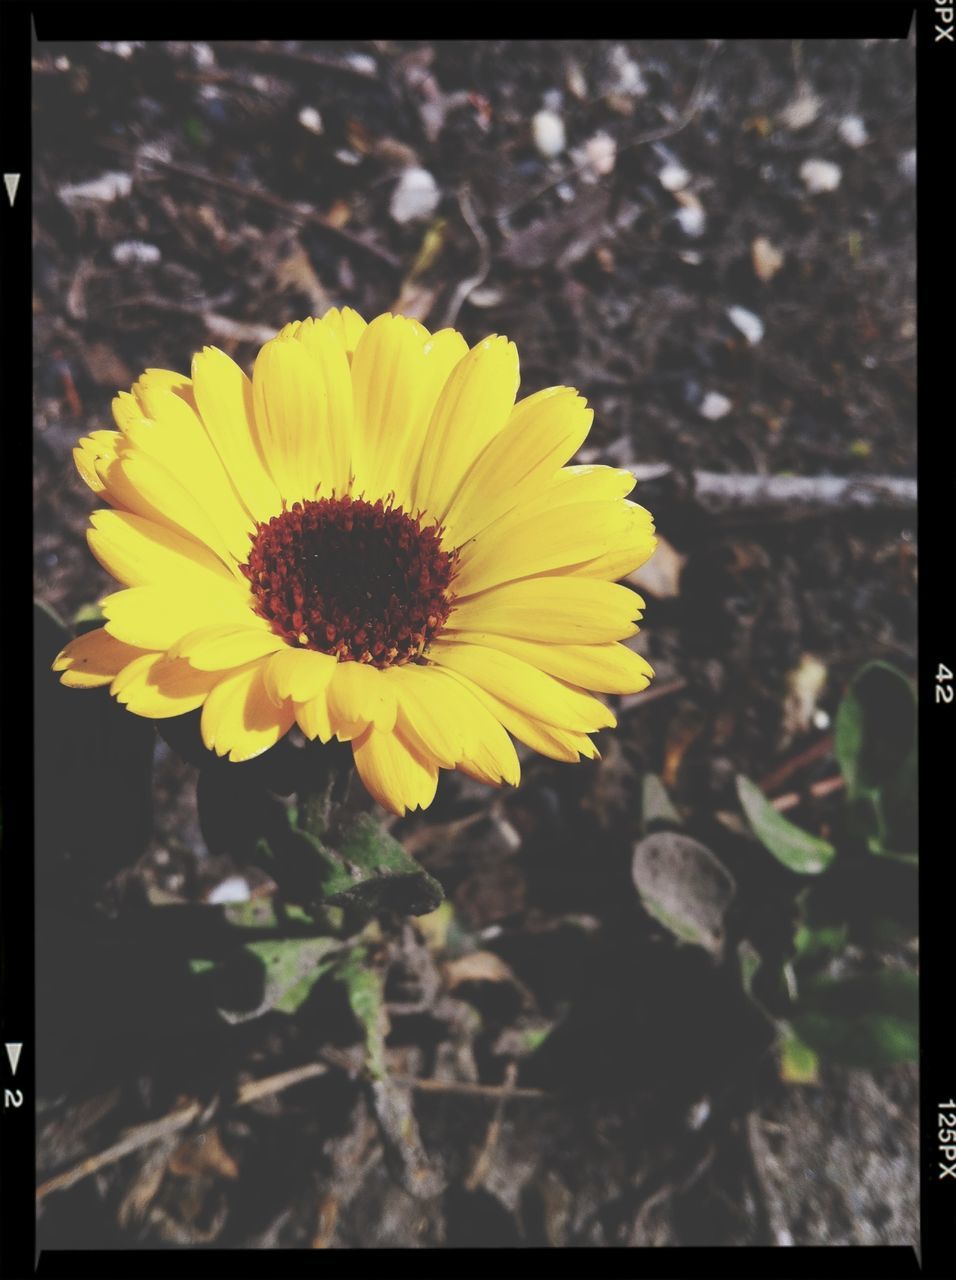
944 687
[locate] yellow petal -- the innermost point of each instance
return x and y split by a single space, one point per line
141 484
399 371
548 740
537 695
239 719
93 659
360 695
473 407
557 609
386 370
543 431
224 646
156 617
141 553
347 325
98 446
446 723
393 772
635 547
605 668
313 717
427 713
158 687
524 544
224 398
292 414
175 437
161 380
299 674
326 350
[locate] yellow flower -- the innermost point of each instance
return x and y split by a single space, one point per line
369 539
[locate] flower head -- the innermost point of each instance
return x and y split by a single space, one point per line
371 539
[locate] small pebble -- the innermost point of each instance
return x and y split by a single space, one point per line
692 220
820 175
802 110
715 406
203 56
310 119
907 165
416 196
750 326
106 188
673 177
821 720
547 129
122 48
766 257
600 154
853 131
232 889
627 74
364 63
130 252
62 63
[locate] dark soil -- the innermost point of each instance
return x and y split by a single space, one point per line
663 1119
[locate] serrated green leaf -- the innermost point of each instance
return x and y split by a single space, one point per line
275 973
371 869
791 845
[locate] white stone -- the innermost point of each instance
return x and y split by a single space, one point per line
715 406
692 220
750 326
415 197
627 74
107 187
135 252
853 131
600 153
802 110
310 119
673 177
820 175
232 889
547 130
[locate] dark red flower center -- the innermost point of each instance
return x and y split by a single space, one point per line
361 580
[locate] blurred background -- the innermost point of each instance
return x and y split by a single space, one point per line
714 242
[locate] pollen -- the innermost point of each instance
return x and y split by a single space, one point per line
364 581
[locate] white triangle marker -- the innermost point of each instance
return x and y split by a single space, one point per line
11 181
13 1053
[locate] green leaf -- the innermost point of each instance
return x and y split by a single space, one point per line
875 729
820 942
799 1064
656 806
275 973
870 1021
370 869
684 887
365 989
791 845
